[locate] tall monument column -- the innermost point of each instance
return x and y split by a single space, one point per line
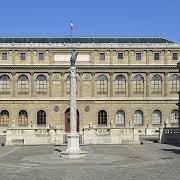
73 151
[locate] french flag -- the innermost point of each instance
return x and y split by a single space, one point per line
71 26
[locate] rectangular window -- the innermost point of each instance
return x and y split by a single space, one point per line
175 56
4 56
120 56
41 56
22 56
138 56
102 56
156 56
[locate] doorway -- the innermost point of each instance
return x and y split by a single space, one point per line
67 120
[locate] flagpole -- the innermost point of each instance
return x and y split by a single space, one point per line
71 34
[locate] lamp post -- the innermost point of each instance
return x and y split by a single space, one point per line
178 104
73 151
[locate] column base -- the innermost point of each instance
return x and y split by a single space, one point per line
73 151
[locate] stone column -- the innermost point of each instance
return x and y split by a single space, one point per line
130 84
80 84
73 151
166 84
111 84
32 84
50 84
62 84
14 83
93 84
147 84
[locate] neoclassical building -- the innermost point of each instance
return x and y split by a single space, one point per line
121 82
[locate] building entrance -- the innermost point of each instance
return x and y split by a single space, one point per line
67 121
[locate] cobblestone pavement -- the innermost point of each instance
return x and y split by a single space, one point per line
104 162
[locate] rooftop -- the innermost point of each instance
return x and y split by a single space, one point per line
84 40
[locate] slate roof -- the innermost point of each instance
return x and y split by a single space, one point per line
83 40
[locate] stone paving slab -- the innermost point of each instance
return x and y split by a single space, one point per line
104 162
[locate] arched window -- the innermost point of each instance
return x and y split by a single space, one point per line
120 118
23 84
41 84
41 117
5 84
156 83
156 117
102 84
174 83
138 84
68 85
138 118
120 84
23 118
4 118
102 117
174 116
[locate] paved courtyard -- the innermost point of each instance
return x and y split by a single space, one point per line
126 162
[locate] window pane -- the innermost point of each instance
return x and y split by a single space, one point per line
4 56
22 56
102 56
120 118
102 117
156 117
138 118
175 56
138 56
120 56
156 56
41 56
174 117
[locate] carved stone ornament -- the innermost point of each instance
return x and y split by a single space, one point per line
87 108
56 108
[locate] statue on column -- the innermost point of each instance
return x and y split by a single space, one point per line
74 55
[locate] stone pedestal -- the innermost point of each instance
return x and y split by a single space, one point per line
73 151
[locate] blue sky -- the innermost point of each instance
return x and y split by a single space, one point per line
126 18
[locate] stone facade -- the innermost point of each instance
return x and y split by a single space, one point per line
138 79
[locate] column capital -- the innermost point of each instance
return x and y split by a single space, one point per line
13 73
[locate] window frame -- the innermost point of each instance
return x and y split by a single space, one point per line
155 57
40 56
120 117
138 56
156 117
4 118
122 53
102 118
4 59
41 118
173 57
21 57
23 118
100 56
102 85
41 86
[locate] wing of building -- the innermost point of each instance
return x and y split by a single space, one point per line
122 84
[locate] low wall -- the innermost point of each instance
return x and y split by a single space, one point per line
170 135
33 136
110 136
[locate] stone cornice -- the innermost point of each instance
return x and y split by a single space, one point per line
95 67
90 45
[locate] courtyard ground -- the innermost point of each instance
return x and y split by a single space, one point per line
103 162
